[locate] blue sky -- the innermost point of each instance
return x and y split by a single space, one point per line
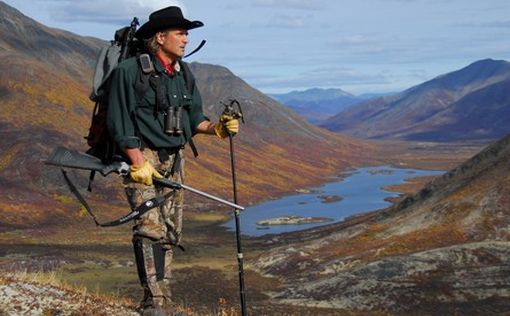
360 46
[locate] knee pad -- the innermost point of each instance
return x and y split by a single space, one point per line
149 257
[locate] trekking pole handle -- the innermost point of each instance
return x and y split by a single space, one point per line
236 112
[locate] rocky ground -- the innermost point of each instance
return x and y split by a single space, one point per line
449 278
23 297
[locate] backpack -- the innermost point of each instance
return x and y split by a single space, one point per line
124 45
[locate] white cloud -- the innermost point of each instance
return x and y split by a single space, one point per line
107 11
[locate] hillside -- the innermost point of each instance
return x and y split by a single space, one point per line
44 88
467 104
443 250
316 105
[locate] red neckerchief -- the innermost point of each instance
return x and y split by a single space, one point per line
169 68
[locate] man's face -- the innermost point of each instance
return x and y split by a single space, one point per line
173 42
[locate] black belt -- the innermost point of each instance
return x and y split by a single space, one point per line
165 153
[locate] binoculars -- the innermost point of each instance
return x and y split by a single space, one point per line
173 121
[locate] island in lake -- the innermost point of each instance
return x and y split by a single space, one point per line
293 220
330 198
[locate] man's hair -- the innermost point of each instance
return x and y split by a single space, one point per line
152 44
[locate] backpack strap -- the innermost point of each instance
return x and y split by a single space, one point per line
188 76
193 147
144 80
142 84
189 79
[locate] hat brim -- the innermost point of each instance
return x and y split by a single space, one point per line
153 26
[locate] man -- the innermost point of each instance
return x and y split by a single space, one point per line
148 134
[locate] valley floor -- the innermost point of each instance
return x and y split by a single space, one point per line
205 275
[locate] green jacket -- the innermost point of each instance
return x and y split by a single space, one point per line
127 122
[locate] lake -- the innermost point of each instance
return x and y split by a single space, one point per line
360 191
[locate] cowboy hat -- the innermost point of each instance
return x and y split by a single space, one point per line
170 17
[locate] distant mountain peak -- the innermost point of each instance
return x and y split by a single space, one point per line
470 103
317 104
483 68
315 93
475 72
489 61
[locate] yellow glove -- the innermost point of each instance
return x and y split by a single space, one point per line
144 173
227 125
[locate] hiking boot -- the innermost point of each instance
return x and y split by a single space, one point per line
167 311
173 309
153 311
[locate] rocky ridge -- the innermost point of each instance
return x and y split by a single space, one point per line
445 248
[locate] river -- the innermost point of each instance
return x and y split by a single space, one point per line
359 191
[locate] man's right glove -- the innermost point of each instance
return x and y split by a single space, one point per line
144 173
227 125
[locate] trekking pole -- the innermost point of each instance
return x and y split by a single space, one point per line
229 110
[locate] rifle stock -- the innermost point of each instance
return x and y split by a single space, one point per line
63 157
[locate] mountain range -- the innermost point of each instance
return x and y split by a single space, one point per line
45 82
317 104
468 104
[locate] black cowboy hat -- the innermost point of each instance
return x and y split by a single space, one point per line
163 19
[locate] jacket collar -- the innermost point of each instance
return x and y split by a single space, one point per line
170 70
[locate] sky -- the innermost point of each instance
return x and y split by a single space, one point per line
278 46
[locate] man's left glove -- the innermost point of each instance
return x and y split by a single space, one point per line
144 173
227 125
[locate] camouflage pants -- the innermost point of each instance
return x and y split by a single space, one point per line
156 231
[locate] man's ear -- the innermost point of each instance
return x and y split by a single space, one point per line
160 37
